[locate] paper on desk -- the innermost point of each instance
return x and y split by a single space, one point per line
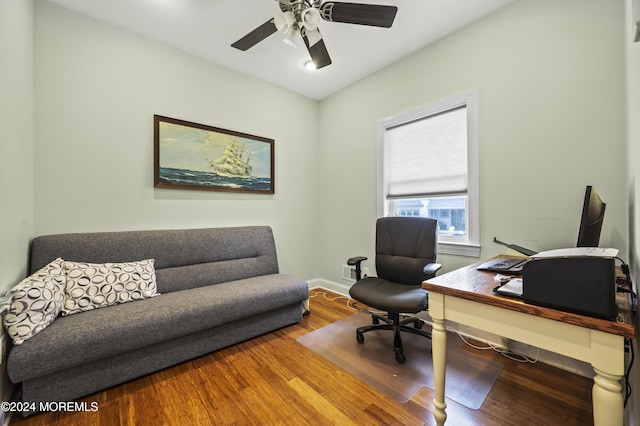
577 252
511 288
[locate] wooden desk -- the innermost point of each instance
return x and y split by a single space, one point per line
466 297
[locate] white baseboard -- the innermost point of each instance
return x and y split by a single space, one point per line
341 289
556 360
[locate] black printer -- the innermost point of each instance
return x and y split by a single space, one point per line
579 284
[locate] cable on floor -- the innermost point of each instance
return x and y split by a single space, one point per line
514 356
326 297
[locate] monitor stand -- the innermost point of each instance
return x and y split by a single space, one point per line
519 249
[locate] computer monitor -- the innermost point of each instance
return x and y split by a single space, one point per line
592 218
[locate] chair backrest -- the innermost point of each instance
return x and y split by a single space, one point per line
404 245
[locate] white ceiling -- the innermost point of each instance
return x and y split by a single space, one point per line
206 28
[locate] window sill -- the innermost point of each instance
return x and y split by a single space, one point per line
459 249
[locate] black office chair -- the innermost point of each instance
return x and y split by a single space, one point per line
405 256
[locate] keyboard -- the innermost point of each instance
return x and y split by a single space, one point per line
508 266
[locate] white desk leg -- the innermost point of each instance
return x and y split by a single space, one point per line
608 403
607 360
438 354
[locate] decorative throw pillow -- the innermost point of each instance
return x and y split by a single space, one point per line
96 285
35 302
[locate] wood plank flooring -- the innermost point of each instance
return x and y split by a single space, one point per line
274 380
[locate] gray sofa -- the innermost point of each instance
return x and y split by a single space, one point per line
218 287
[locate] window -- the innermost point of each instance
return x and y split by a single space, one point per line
428 166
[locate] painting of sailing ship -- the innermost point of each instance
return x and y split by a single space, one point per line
234 162
196 156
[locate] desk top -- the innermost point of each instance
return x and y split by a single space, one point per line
471 284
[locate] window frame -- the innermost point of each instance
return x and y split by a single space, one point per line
469 100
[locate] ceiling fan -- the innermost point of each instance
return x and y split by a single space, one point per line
302 16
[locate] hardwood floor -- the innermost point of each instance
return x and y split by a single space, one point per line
274 380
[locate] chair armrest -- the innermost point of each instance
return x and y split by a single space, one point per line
357 261
432 268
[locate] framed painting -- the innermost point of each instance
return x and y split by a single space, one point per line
196 156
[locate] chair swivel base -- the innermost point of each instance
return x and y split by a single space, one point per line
392 322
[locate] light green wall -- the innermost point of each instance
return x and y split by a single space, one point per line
550 76
97 89
551 81
16 147
551 87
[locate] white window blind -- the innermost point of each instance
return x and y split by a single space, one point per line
428 156
428 165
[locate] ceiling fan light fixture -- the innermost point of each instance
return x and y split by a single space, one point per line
283 21
310 18
288 40
309 65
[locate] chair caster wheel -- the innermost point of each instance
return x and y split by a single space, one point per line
400 358
359 337
375 320
418 325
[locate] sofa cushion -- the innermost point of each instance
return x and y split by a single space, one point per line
96 285
35 302
102 333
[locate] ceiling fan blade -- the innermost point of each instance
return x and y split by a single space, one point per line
256 36
358 13
317 50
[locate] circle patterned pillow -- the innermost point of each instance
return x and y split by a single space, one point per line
35 302
96 285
